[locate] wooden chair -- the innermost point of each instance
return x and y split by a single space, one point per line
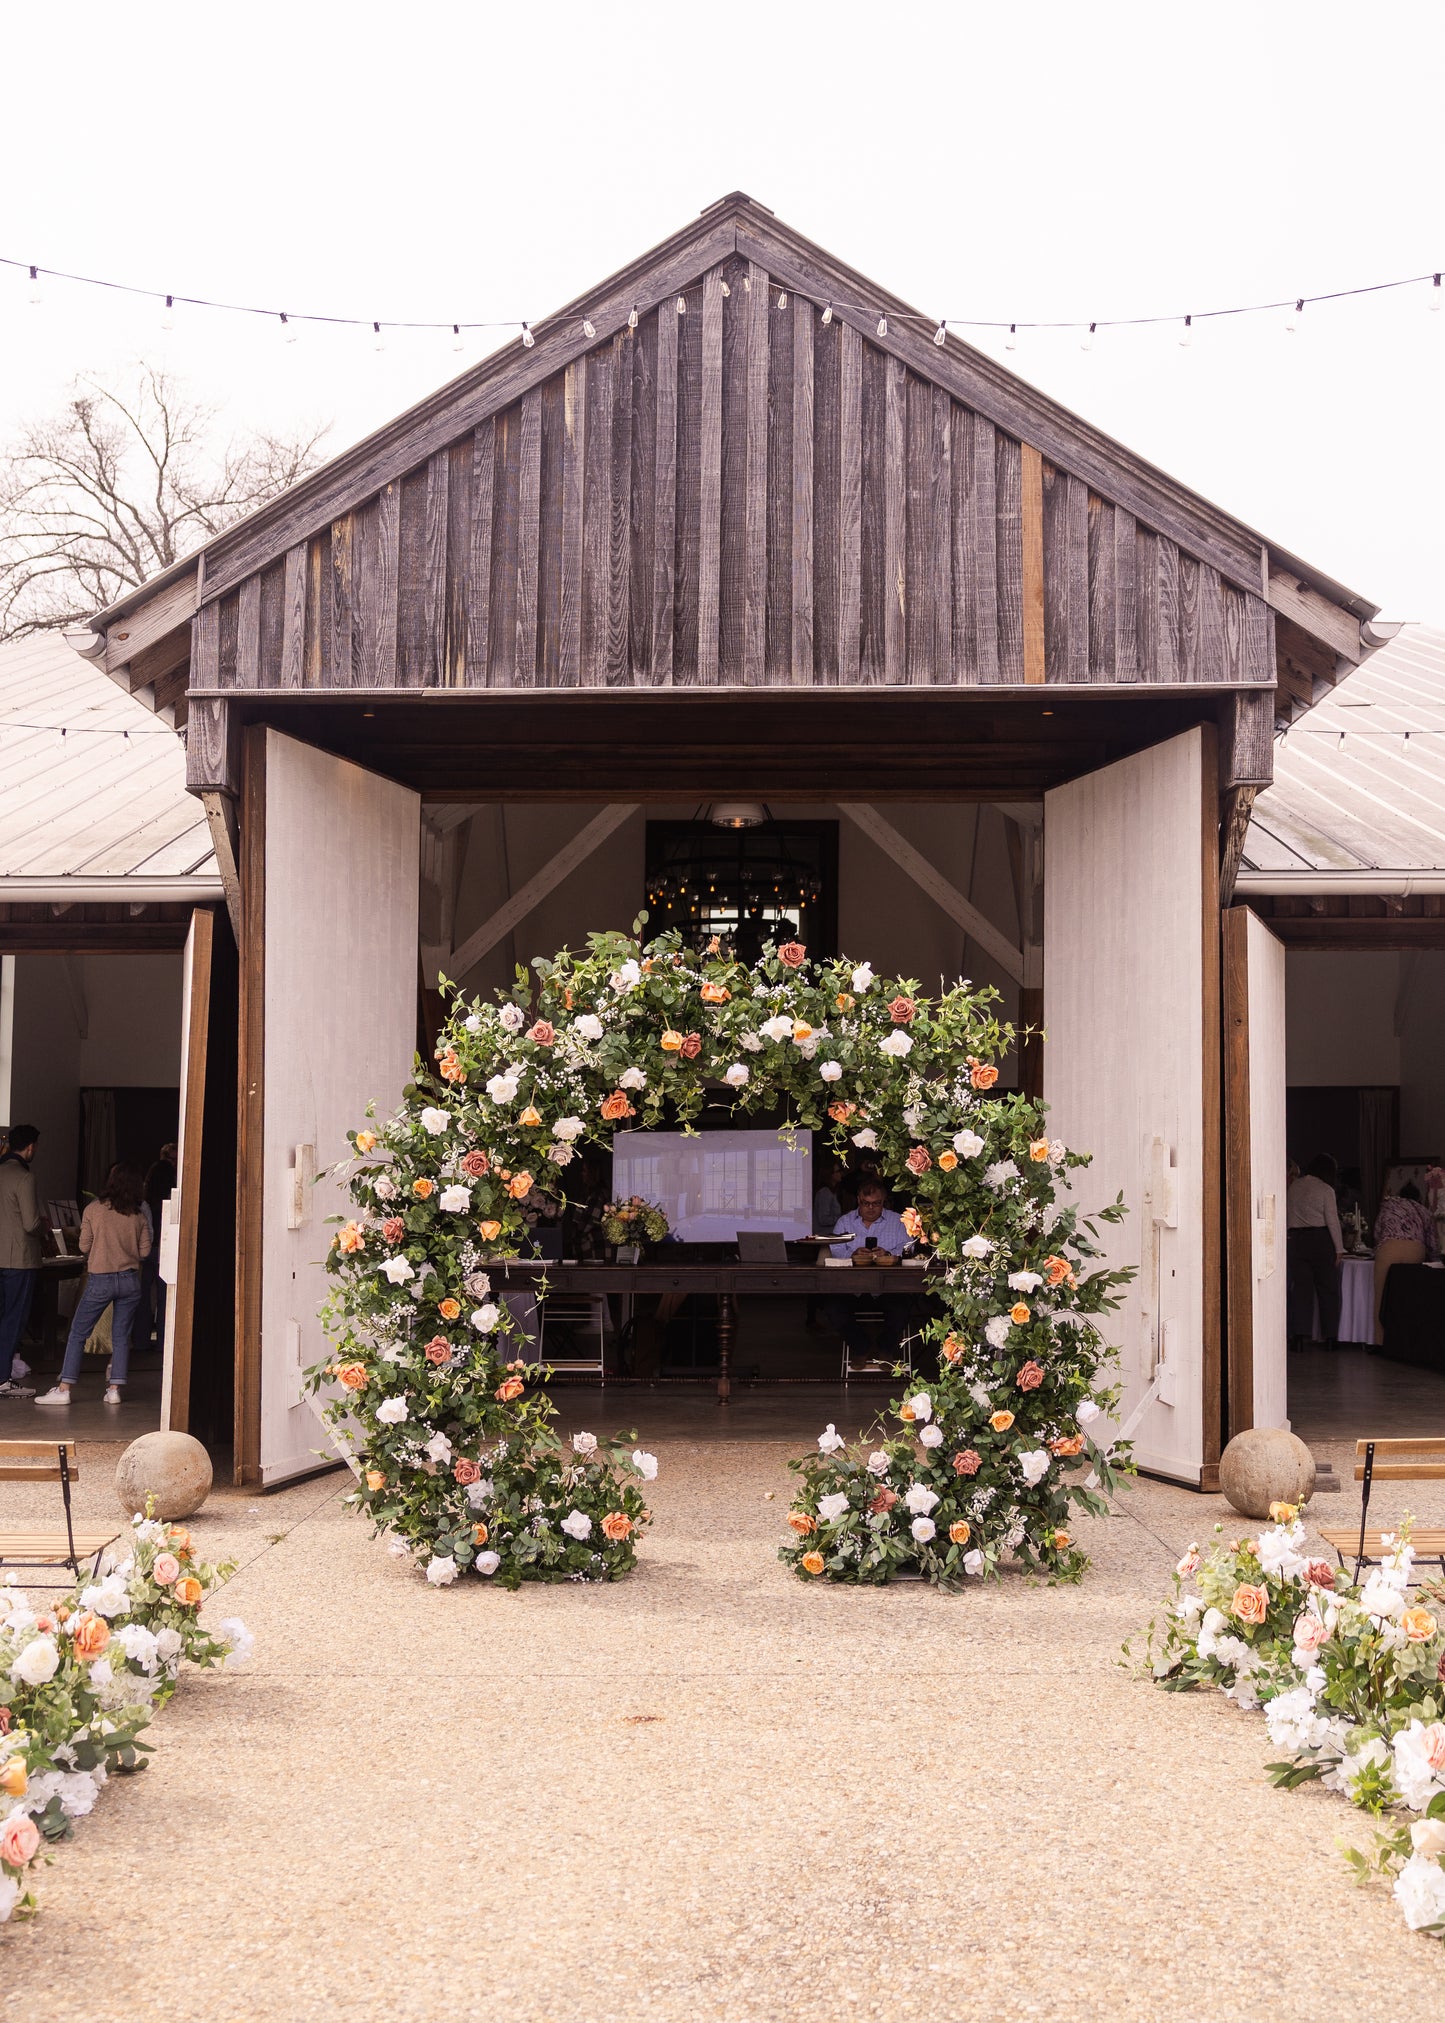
49 1461
1403 1461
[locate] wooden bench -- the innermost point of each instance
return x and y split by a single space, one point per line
48 1461
1390 1461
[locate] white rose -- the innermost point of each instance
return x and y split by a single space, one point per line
1024 1281
502 1088
863 976
973 1562
455 1200
931 1436
898 1043
139 1645
923 1529
967 1144
37 1663
1088 1412
632 1078
568 1128
627 977
478 1492
777 1027
472 1023
577 1525
877 1463
1379 1598
920 1499
584 1443
588 1027
385 1190
441 1572
1420 1892
486 1318
560 1154
391 1411
646 1465
398 1270
512 1017
168 1642
1427 1836
751 1043
438 1449
435 1121
922 1406
736 1075
238 1639
996 1331
866 1140
1034 1466
976 1246
487 1562
831 1071
1000 1173
831 1508
830 1439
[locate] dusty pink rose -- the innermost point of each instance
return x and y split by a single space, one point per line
966 1463
691 1046
792 955
474 1165
884 1500
393 1229
1320 1573
1030 1376
1309 1633
166 1569
902 1011
919 1159
543 1033
465 1471
19 1840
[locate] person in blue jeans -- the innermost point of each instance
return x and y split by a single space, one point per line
115 1237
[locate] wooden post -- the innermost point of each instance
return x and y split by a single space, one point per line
251 1119
182 1307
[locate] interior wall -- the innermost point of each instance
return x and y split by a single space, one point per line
1421 1027
1361 1020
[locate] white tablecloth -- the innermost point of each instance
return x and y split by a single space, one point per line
1357 1299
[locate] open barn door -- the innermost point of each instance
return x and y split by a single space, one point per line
329 1007
180 1213
1131 1068
1255 1169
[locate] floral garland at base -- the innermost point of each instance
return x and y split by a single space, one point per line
80 1680
1350 1678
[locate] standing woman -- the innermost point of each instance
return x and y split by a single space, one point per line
115 1237
1314 1252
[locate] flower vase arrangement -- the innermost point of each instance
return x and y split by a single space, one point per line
1350 1677
634 1221
80 1679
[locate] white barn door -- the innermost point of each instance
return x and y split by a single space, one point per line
1131 1069
1256 1169
340 1010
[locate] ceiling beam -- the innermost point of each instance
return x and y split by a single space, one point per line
928 879
536 888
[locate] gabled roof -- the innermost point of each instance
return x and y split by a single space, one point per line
141 629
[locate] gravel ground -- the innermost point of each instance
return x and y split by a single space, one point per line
704 1793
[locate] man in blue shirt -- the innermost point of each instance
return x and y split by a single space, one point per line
872 1224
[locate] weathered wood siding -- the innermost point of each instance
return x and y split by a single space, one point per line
735 493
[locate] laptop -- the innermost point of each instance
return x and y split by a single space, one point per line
762 1246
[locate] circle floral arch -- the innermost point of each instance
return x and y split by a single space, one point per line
453 1438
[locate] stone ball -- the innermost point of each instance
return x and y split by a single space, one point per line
1266 1465
173 1469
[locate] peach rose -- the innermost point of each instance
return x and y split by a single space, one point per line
188 1590
20 1838
714 993
480 1534
671 1042
393 1229
845 1000
792 955
519 1186
616 1525
1432 1740
960 1533
530 1118
167 1568
90 1634
1057 1270
691 1046
451 1309
1018 1313
883 1499
1067 1444
1001 1421
1319 1573
714 947
1030 1376
1250 1604
474 1164
947 1161
981 1074
542 1033
1062 1541
912 1221
812 1562
966 1463
375 1480
366 1141
1038 1150
906 1411
423 1189
1190 1564
510 1388
902 1011
179 1537
438 1350
451 1068
951 1348
1283 1513
615 1107
489 1231
350 1238
919 1159
1419 1625
14 1778
1309 1633
352 1376
801 1522
841 1112
465 1472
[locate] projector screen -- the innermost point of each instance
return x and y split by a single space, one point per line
713 1185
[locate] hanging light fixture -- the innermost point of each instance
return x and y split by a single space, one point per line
737 814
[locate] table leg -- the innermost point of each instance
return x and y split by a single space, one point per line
726 1323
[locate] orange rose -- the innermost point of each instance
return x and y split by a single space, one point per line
423 1189
1072 1444
14 1779
1018 1313
1062 1541
450 1309
812 1562
350 1238
912 1221
884 1500
543 1034
489 1231
179 1537
714 993
845 1000
352 1376
906 1411
480 1534
841 1112
393 1229
375 1480
802 1030
519 1186
947 1161
510 1388
1057 1270
91 1634
616 1106
1038 1150
616 1525
1001 1421
960 1533
366 1141
1250 1604
801 1522
671 1042
530 1118
966 1463
792 955
188 1590
451 1068
691 1046
981 1074
1418 1625
952 1348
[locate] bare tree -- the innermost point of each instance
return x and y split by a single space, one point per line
128 477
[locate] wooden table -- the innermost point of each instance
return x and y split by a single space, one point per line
727 1282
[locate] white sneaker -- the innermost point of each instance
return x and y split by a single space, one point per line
10 1389
58 1396
112 1395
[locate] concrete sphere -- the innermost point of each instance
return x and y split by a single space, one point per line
1266 1465
171 1468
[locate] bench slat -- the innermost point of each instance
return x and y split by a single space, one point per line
1404 1471
1426 1543
1421 1446
17 1449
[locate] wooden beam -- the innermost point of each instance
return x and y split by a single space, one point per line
183 1292
1293 599
866 817
1233 828
251 1104
221 819
1033 564
551 875
165 611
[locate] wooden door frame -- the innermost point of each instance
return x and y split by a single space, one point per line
193 1097
251 1117
1212 1344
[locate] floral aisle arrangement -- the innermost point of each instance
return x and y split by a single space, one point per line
634 1221
1350 1678
80 1679
458 1458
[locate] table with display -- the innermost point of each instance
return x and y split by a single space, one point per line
726 1282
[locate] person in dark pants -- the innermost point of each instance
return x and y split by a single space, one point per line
872 1219
1315 1251
21 1224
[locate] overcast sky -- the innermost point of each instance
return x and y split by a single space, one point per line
468 162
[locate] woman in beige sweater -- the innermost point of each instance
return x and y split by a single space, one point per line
114 1237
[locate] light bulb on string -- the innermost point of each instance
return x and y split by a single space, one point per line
682 305
883 326
632 318
528 340
1291 322
589 328
725 288
1011 342
827 314
378 342
1186 335
1435 294
168 314
940 336
35 291
782 298
457 344
288 329
1086 342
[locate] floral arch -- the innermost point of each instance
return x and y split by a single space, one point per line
456 1452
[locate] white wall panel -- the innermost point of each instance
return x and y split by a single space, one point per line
1269 1164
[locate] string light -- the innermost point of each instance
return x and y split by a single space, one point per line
827 314
1291 322
457 344
168 314
589 328
1086 342
883 326
35 295
782 298
725 288
378 342
682 305
288 329
1011 342
1435 294
528 339
632 317
1186 335
940 336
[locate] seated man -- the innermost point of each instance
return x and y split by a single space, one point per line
871 1219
